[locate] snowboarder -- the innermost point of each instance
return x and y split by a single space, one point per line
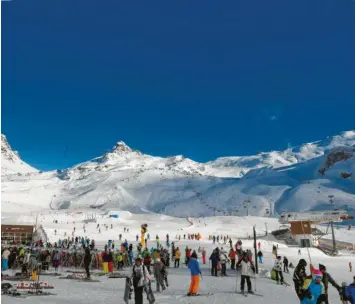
195 271
140 278
299 277
326 278
246 268
313 289
278 269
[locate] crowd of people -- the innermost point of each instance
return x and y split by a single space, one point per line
154 262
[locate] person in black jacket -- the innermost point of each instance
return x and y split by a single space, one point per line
299 276
87 261
326 279
214 261
285 262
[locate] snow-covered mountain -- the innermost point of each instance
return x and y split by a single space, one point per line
11 162
237 166
298 179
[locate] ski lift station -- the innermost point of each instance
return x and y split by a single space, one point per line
301 224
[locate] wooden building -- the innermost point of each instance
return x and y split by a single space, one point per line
12 234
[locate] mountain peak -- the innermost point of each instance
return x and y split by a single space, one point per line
6 150
121 147
10 160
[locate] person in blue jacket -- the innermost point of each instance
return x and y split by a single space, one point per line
195 271
350 292
313 288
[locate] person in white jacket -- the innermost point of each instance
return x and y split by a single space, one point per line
5 259
223 257
278 270
246 268
140 278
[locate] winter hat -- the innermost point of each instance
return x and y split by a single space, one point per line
322 267
194 255
317 275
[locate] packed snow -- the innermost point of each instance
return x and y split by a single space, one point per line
222 289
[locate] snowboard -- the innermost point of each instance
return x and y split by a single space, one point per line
127 290
148 290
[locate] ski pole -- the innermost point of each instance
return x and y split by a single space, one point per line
255 282
236 283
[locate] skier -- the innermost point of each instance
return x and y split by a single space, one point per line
87 261
350 292
147 260
285 262
299 277
260 256
137 237
327 279
5 259
350 267
313 289
177 258
203 256
247 268
159 273
195 271
223 258
214 258
140 278
278 269
232 256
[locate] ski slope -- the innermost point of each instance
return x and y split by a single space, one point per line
222 289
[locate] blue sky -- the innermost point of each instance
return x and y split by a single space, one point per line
199 78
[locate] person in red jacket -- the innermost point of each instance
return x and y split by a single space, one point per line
147 261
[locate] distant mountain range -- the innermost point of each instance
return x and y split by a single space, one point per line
302 178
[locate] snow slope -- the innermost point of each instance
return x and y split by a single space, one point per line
222 289
11 162
130 180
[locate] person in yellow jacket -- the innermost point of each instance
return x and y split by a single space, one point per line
177 258
119 260
156 254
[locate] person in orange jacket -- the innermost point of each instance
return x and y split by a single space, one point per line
203 256
232 256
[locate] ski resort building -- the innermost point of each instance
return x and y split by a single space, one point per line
301 224
12 234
